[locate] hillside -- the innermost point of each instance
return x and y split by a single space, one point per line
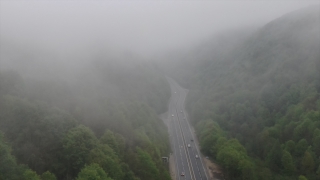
255 97
100 121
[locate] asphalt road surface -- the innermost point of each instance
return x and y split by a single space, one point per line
181 135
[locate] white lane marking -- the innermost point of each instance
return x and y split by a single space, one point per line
192 137
183 139
181 133
175 132
197 150
179 148
188 157
176 161
186 129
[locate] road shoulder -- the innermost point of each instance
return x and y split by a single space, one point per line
172 169
215 172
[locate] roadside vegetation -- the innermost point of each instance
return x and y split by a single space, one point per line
255 98
103 126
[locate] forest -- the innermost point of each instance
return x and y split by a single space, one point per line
82 86
255 97
103 125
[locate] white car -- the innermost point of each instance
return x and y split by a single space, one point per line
189 145
172 115
197 156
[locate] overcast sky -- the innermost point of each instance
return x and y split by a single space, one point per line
139 26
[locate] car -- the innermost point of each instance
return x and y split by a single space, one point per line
192 140
207 157
189 145
175 92
172 115
180 111
197 156
182 173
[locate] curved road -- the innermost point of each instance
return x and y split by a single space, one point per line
181 135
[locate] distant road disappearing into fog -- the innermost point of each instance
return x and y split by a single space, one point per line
181 135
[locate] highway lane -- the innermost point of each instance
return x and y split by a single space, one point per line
180 154
181 135
199 168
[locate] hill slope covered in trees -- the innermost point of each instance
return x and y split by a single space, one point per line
255 98
101 123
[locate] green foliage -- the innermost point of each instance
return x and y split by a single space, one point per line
302 178
274 157
9 169
105 157
264 174
301 147
318 172
77 144
147 168
129 175
287 163
30 175
233 156
48 176
307 163
93 172
40 119
316 145
109 139
35 131
290 146
257 90
7 161
212 137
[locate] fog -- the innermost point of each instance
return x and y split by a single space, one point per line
143 27
83 84
42 39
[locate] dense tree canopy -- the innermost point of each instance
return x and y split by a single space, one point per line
85 129
93 172
255 99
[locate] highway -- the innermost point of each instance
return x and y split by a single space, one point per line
181 135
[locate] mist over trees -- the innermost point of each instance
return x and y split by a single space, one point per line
82 86
254 97
102 119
